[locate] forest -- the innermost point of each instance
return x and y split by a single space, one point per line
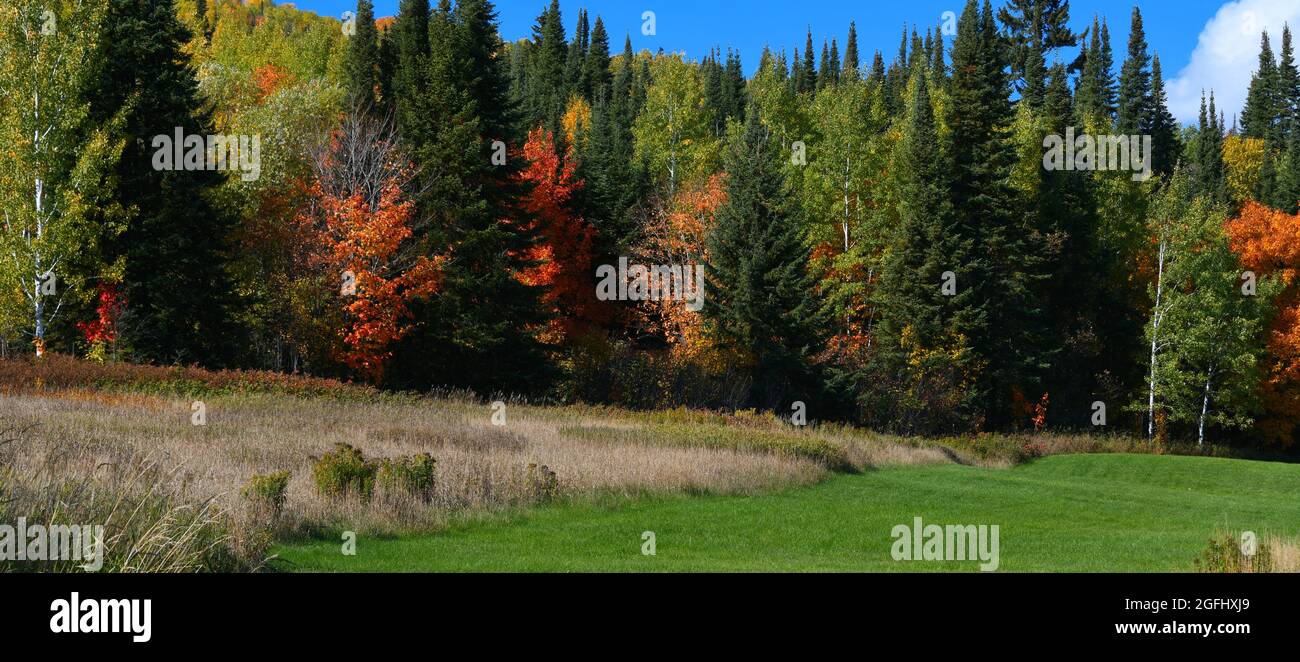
882 237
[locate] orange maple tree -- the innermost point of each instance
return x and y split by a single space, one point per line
357 240
1268 243
269 79
562 258
676 236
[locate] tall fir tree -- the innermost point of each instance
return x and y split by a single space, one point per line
761 300
179 290
480 331
595 70
851 58
1166 147
1134 81
361 59
998 278
1261 115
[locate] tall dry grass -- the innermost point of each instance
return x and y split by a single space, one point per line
75 431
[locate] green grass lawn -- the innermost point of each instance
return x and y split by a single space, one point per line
1062 513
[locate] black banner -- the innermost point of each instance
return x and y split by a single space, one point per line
924 612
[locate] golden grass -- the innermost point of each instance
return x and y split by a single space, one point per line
480 467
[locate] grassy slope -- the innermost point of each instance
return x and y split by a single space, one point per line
1062 513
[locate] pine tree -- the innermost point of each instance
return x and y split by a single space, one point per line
1161 125
1036 28
595 71
807 79
577 57
1208 171
913 308
851 58
997 278
361 59
480 331
1134 82
1288 88
177 282
1262 112
877 75
825 71
760 298
545 96
411 48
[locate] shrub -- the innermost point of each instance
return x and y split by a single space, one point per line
542 482
265 493
344 472
410 474
1223 554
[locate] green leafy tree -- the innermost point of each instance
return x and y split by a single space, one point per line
57 177
672 131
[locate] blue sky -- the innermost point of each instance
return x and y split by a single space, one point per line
1202 43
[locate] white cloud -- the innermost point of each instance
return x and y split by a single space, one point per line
1227 55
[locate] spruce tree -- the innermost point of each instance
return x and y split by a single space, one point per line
998 312
851 58
1288 86
480 330
577 57
1262 112
1035 29
1134 82
760 300
361 59
808 68
1161 125
595 70
177 283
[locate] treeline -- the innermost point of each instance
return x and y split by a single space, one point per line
884 239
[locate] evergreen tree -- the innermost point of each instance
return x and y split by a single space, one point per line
180 292
480 331
760 298
411 47
807 79
1286 195
877 75
1161 125
545 96
997 278
361 59
595 70
1134 82
1035 28
1288 87
1262 112
851 58
1208 170
577 57
825 72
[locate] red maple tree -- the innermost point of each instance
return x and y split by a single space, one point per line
562 257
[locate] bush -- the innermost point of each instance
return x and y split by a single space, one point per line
542 483
1223 554
265 493
344 472
410 474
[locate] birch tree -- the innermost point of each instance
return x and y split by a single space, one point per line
54 174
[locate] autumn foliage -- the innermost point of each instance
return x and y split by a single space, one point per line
1268 243
562 258
357 244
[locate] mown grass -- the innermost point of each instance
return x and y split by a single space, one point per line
1082 513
